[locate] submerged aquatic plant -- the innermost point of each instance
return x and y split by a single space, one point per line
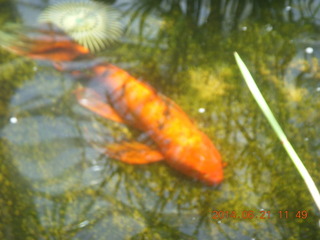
92 24
278 130
11 33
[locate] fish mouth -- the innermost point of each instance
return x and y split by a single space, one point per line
212 179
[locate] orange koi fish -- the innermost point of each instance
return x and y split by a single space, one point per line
114 94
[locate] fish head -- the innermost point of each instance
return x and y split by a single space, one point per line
199 160
206 164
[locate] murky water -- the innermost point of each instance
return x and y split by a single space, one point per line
57 184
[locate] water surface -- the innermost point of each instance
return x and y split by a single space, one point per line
56 184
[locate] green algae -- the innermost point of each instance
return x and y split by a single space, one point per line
56 183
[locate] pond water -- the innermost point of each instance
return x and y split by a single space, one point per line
56 183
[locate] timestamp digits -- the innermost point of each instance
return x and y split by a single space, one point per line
250 214
242 214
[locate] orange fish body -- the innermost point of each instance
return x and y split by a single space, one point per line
180 143
116 95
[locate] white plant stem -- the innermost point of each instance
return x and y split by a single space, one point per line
276 127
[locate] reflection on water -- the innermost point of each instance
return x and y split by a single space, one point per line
56 183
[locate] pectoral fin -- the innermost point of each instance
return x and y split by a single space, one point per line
133 153
91 100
